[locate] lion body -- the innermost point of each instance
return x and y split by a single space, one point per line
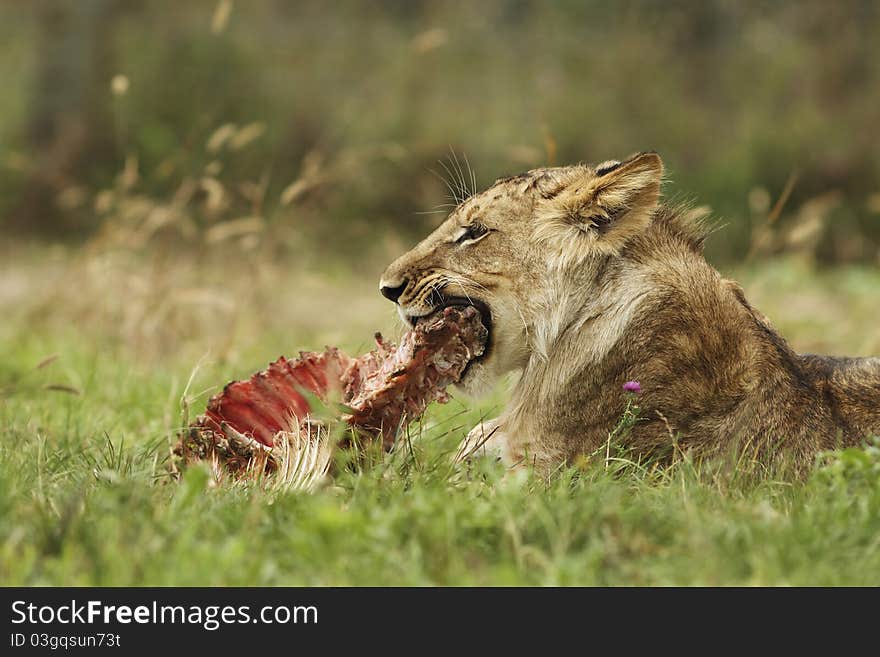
590 282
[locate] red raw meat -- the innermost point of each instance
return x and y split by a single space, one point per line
380 391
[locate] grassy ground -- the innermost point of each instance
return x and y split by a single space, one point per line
96 351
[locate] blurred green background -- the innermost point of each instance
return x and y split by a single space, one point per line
189 189
290 123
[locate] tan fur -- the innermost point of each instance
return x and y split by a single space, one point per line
591 283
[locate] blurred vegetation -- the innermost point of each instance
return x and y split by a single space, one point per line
189 189
289 123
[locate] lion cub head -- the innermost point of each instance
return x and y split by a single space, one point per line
517 250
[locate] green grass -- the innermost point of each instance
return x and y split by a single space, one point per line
85 500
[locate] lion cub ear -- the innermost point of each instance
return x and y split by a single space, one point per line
602 208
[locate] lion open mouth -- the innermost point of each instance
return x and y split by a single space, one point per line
443 302
464 305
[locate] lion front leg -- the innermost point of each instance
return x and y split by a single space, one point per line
514 446
487 439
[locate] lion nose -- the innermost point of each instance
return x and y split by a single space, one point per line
392 293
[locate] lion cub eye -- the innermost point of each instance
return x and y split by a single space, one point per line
472 233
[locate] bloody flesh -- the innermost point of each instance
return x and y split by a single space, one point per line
380 391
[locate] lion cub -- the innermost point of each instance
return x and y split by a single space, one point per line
586 281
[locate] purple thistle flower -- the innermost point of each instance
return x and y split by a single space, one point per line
632 386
